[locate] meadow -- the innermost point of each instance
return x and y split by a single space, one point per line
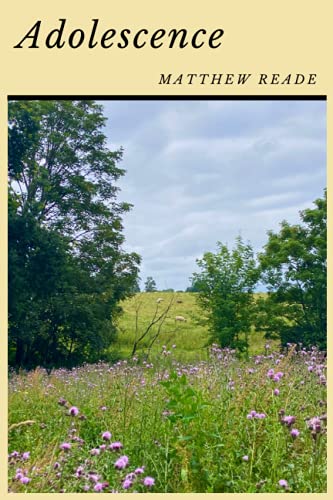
187 418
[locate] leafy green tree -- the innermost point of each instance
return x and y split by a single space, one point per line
225 288
150 284
294 267
67 269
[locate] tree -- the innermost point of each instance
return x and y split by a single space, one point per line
225 288
150 285
67 269
294 267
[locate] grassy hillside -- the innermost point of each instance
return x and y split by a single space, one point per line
190 337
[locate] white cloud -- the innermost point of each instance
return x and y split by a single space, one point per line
199 172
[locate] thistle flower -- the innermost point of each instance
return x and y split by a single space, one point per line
117 445
65 446
106 435
98 487
139 470
95 452
26 455
283 483
294 433
121 463
127 484
149 481
25 480
288 420
73 411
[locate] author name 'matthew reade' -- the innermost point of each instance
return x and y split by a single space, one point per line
237 78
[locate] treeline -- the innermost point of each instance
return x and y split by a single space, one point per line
67 269
292 267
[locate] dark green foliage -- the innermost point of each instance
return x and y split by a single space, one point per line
150 284
67 271
294 267
225 285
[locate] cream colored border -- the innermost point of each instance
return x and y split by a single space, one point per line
260 36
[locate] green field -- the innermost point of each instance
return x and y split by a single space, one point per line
190 337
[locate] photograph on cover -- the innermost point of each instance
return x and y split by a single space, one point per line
167 295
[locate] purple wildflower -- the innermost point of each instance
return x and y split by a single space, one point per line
98 487
149 481
245 458
73 411
121 463
276 392
25 480
294 433
314 424
106 435
127 484
283 483
139 470
95 452
62 402
117 445
65 446
93 477
288 420
26 455
19 476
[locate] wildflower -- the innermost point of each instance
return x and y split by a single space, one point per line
270 373
314 424
19 476
260 415
79 471
98 487
26 455
93 477
73 411
25 480
288 420
120 463
103 408
56 465
149 481
62 402
127 484
294 433
65 446
117 445
283 483
276 392
245 458
130 476
106 435
95 452
102 447
139 470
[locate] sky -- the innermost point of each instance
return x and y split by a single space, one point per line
199 172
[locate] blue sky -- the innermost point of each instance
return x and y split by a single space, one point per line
198 172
